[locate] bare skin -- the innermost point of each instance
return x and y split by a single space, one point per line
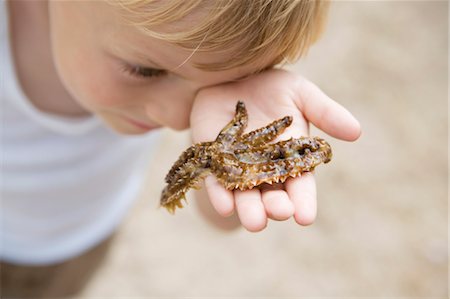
33 59
107 69
242 161
271 95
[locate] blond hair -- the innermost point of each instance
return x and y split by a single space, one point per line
278 30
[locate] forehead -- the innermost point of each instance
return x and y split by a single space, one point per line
202 27
129 39
182 62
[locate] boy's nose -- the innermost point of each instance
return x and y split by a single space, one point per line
170 113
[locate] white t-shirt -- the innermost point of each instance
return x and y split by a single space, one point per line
65 183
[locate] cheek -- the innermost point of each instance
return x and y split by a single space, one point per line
82 67
171 103
99 90
88 79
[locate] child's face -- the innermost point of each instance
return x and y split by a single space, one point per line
133 82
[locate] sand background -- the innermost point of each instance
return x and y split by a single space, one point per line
382 226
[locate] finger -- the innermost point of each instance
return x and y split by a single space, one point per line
251 210
325 113
302 192
221 198
276 202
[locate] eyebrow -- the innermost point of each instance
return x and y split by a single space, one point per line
141 57
131 55
148 60
145 58
173 70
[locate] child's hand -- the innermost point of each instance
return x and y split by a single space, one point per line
269 96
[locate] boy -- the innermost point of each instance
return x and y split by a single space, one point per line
137 65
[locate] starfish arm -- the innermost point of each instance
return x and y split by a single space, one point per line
175 191
235 127
189 155
271 164
188 172
267 133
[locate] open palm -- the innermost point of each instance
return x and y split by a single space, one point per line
268 96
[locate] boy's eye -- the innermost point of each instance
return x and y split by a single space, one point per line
143 72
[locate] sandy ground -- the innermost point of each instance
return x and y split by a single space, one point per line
382 224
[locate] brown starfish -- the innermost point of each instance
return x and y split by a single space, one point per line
243 161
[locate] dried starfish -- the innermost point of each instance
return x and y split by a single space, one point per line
243 161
